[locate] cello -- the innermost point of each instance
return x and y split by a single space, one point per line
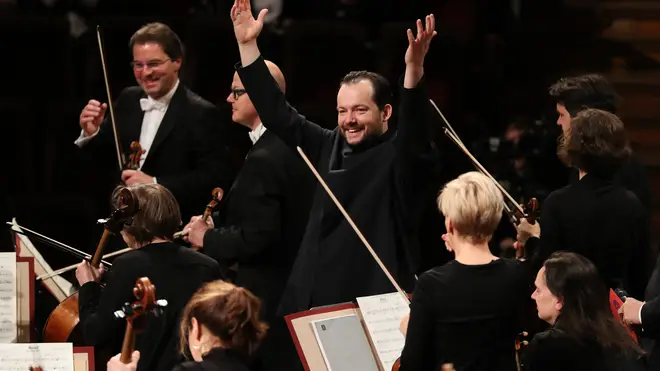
134 313
62 324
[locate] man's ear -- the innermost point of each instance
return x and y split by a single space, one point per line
386 113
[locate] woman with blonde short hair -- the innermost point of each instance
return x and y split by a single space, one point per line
467 311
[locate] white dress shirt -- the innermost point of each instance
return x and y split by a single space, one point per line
257 133
154 111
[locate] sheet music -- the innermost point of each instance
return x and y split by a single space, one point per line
50 356
8 303
382 314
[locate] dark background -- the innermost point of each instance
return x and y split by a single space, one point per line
488 70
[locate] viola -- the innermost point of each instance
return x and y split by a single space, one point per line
135 313
62 324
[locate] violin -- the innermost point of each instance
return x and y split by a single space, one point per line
135 313
62 324
135 156
520 344
36 368
216 197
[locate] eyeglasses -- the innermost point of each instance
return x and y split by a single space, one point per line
237 93
151 64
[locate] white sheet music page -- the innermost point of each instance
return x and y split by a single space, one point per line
8 327
49 356
382 315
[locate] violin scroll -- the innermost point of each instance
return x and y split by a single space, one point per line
216 197
135 156
134 313
531 210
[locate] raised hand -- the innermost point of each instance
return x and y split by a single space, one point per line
418 46
92 116
246 28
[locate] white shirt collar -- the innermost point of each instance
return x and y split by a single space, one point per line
257 133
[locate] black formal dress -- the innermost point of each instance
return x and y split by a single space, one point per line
380 183
175 271
218 359
554 350
602 221
260 226
189 154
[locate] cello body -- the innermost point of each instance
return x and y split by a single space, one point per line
62 324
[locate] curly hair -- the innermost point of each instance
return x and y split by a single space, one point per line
231 313
596 143
586 91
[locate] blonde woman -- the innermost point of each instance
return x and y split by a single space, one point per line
467 311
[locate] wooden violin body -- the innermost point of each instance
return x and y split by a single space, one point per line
62 324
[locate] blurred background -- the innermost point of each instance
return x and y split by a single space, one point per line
488 70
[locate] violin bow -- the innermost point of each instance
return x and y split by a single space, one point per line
110 107
74 266
355 228
451 133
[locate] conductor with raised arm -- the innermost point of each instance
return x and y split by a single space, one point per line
183 135
377 174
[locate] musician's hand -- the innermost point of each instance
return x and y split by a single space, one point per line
526 231
135 177
403 325
246 28
114 364
86 273
630 311
91 117
196 230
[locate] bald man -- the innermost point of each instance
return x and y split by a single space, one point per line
263 220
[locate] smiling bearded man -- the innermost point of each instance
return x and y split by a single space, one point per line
378 174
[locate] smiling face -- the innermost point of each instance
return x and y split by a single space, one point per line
154 70
358 115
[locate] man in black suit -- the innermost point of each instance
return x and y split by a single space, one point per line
263 219
177 273
183 135
378 174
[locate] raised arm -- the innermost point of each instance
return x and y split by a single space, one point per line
268 99
416 158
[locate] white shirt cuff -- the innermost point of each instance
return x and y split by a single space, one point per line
155 181
82 139
639 315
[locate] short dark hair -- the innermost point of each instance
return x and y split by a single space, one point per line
231 313
158 214
382 91
585 314
160 34
596 142
586 91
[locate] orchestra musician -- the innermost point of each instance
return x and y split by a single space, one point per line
594 216
477 331
177 273
221 328
575 94
376 173
646 315
183 135
570 295
263 220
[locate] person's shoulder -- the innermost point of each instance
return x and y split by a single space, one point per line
439 275
197 257
197 101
